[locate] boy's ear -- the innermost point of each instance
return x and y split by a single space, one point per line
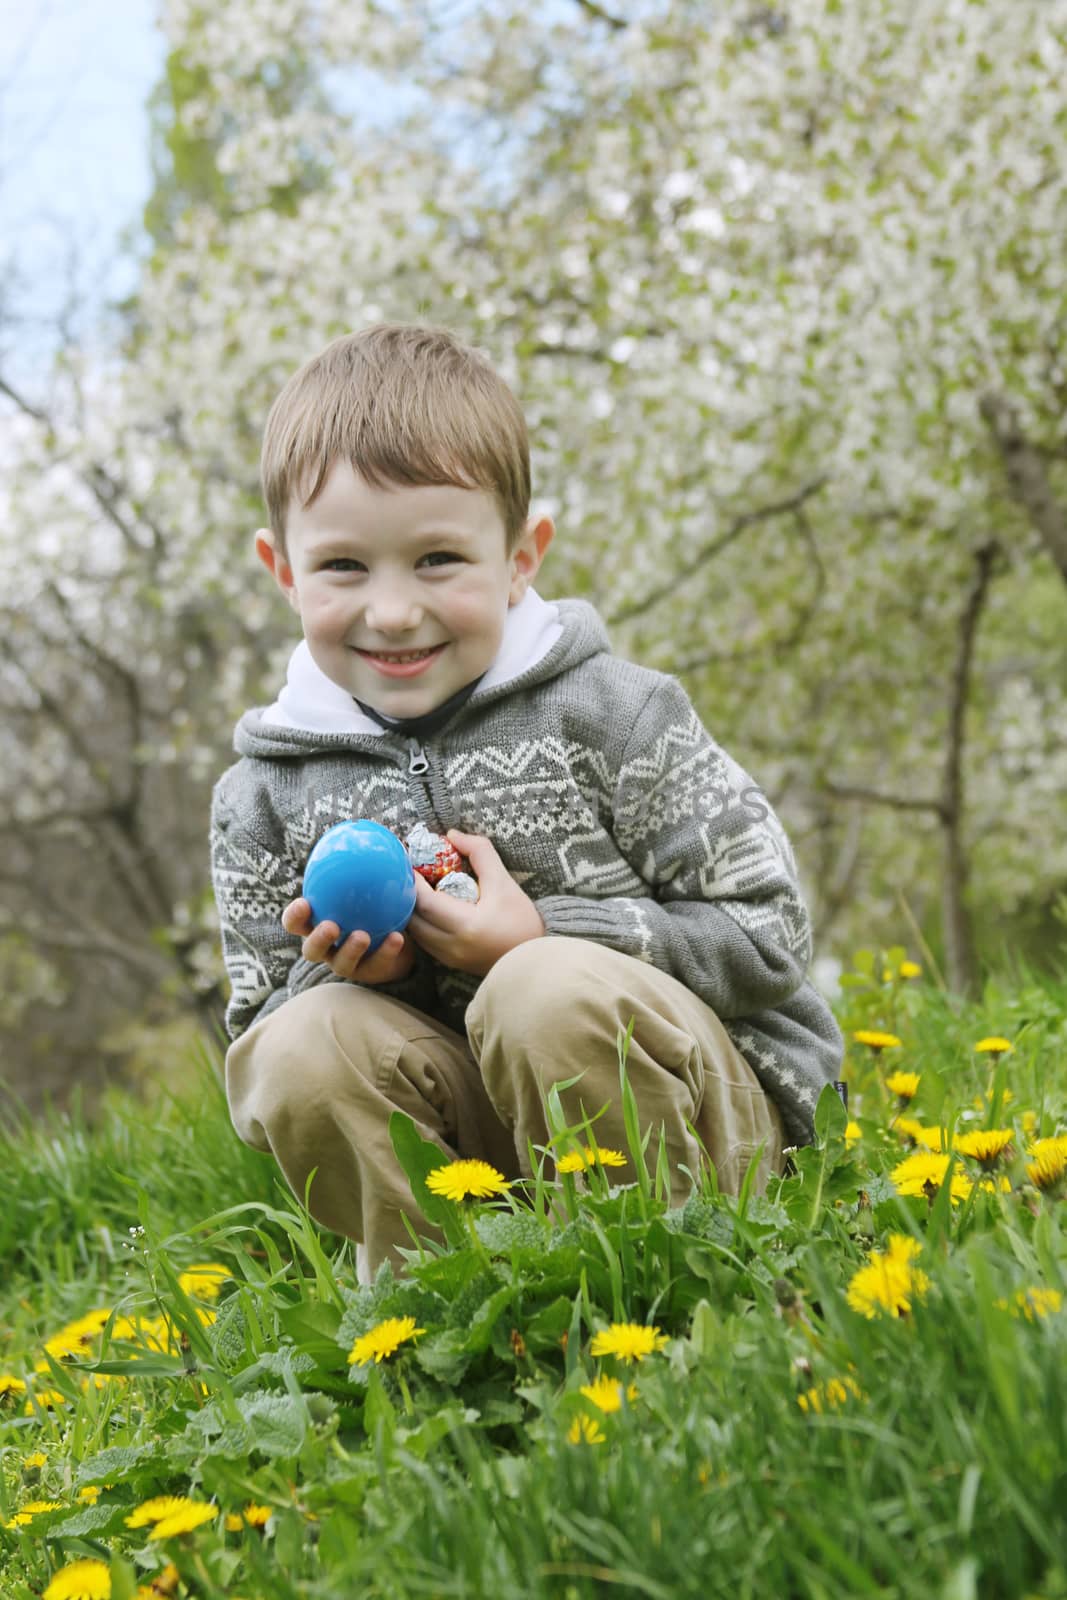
528 555
277 565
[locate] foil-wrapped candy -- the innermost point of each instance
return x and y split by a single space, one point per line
432 855
460 885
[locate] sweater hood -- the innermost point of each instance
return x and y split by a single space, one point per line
542 639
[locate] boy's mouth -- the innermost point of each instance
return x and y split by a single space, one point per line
401 663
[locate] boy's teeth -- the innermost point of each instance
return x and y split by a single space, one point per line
410 655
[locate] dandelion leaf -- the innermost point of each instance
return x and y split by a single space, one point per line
708 1219
272 1424
419 1157
831 1118
445 1355
502 1232
115 1464
96 1520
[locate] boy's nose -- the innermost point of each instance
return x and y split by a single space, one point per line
392 611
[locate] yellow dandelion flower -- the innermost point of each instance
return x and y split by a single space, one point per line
256 1516
125 1328
923 1173
910 969
203 1282
9 1385
462 1178
383 1340
190 1516
1033 1302
585 1430
36 1458
101 1380
77 1336
1028 1119
629 1341
579 1160
913 1129
875 1040
164 1583
887 974
151 1333
982 1101
90 1494
903 1084
853 1132
1049 1165
993 1046
81 1580
986 1145
45 1400
154 1510
889 1281
829 1396
604 1392
33 1508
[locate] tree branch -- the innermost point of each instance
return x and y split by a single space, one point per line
898 802
601 15
101 485
747 519
90 938
1027 476
778 647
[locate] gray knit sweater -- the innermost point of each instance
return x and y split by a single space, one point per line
609 803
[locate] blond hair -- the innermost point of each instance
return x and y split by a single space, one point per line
403 404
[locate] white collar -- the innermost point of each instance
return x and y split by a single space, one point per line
312 702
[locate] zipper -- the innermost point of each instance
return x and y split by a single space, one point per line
419 766
418 763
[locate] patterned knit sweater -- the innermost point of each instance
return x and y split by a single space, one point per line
606 799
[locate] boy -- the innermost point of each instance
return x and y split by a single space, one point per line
627 866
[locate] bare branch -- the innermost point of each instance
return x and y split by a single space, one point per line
747 519
780 646
90 937
1027 476
55 709
101 485
601 15
898 802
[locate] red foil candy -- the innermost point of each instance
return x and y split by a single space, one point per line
432 855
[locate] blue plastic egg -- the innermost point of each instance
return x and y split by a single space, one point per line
359 875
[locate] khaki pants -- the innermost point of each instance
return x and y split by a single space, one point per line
316 1081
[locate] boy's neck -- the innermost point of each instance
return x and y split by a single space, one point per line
430 721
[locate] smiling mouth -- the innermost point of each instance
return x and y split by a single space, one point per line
401 656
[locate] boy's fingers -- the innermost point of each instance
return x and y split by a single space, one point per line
320 941
296 918
381 965
351 953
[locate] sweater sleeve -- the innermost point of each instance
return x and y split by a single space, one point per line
725 915
252 887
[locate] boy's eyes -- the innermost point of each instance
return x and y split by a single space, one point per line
349 564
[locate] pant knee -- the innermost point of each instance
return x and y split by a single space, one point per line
530 984
284 1072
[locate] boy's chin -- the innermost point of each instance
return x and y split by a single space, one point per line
399 699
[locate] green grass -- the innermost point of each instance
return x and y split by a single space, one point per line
469 1463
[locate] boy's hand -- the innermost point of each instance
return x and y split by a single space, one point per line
471 937
393 959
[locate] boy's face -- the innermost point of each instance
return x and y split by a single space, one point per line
373 573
